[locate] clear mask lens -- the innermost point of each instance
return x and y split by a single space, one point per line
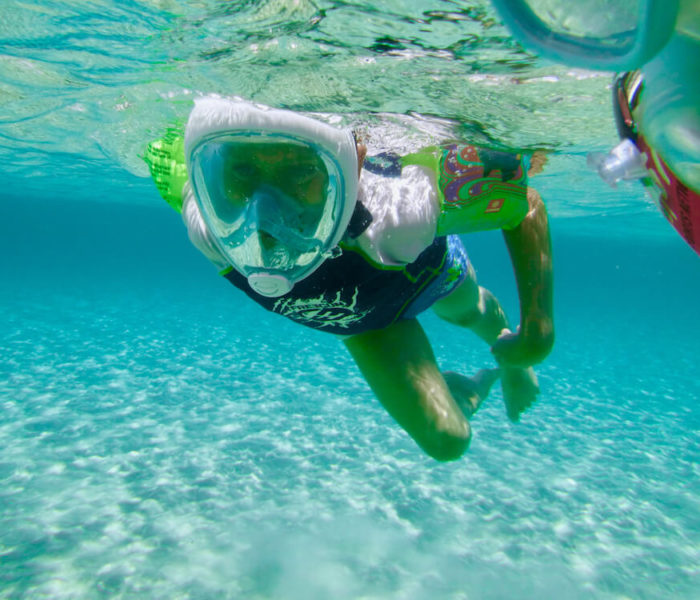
270 203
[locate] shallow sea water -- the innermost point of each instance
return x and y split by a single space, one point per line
161 437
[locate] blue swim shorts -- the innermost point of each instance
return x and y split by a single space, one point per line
455 270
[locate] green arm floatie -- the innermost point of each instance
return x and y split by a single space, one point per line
478 189
166 161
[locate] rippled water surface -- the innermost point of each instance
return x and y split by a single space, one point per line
162 438
85 86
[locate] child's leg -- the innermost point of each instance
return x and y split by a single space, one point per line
400 367
476 308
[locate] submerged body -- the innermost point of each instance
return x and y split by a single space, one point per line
397 256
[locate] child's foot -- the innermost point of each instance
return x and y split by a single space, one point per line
470 392
520 389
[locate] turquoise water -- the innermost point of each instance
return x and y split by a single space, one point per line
162 437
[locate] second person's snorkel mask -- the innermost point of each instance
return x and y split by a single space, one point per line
635 158
276 189
660 38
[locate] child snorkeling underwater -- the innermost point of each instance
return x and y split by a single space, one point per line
295 216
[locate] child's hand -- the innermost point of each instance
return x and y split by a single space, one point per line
522 350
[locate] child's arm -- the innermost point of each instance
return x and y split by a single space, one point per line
530 251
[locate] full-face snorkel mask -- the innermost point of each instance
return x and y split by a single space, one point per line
660 38
276 189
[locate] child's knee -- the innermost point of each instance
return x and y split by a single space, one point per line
470 313
469 318
464 307
445 446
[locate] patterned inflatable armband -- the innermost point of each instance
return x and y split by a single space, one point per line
479 189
